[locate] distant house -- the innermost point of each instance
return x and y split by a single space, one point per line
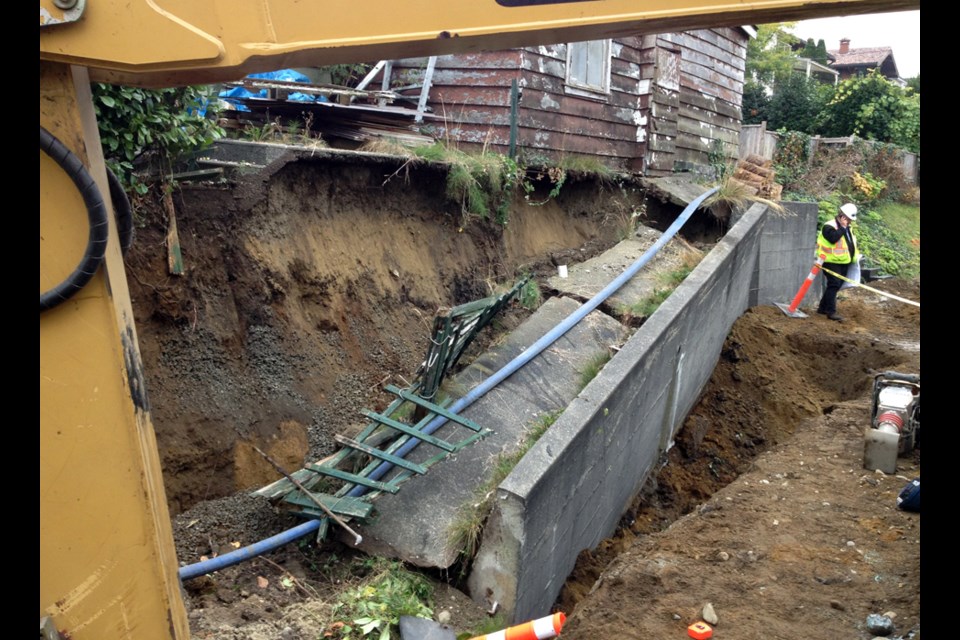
652 104
813 69
852 62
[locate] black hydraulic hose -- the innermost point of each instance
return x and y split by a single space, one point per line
96 213
121 211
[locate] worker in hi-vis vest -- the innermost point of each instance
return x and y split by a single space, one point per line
838 245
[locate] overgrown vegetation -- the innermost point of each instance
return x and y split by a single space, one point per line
734 196
373 608
872 177
482 184
467 527
135 123
869 105
668 282
593 366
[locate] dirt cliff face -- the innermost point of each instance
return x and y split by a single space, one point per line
305 292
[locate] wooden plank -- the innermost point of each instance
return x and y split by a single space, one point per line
407 429
709 118
433 408
380 455
663 128
661 144
352 478
174 255
347 506
720 107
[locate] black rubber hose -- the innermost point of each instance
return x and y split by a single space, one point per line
96 213
122 211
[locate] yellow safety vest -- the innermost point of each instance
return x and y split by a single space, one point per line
838 253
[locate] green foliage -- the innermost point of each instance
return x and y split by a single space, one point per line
529 296
717 158
490 625
821 55
914 83
889 238
669 281
874 108
646 307
483 184
593 366
791 157
796 103
373 609
347 75
756 103
769 55
135 121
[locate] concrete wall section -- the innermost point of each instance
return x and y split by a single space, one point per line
569 492
787 254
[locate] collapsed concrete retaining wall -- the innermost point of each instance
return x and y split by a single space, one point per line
570 490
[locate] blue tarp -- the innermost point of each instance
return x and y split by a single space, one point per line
236 95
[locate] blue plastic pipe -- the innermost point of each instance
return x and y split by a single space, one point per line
235 557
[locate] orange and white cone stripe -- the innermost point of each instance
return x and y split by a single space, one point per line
540 629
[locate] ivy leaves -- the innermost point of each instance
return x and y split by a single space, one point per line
134 121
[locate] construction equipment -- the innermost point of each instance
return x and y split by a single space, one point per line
108 568
894 420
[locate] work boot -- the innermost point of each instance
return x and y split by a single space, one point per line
822 312
836 317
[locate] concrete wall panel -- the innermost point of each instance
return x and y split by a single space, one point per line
570 490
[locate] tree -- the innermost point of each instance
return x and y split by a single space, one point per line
914 83
769 55
874 108
756 103
796 103
821 55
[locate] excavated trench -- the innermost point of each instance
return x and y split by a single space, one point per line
309 292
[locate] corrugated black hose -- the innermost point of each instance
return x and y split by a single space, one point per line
96 213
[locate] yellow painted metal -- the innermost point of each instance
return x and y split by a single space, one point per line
186 42
108 566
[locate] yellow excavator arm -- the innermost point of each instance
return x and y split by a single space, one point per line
108 568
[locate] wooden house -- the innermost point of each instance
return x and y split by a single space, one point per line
853 62
652 105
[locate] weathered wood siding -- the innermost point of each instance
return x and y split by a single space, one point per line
698 84
472 94
670 96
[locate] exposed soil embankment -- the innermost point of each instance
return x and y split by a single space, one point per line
308 290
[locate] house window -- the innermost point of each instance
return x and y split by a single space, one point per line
588 66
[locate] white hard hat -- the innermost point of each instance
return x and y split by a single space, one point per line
849 210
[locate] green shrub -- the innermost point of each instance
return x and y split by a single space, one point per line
135 121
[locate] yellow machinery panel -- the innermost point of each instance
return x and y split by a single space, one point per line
215 40
108 567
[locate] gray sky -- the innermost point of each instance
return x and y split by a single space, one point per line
899 30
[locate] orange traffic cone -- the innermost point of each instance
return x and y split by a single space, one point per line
792 309
539 629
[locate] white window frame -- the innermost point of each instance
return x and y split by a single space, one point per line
591 86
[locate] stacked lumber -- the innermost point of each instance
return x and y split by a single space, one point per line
758 175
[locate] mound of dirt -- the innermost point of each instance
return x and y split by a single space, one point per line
764 508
